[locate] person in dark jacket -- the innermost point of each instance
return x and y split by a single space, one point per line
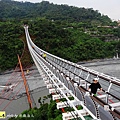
94 86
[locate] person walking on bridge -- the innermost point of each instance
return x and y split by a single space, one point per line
94 86
44 56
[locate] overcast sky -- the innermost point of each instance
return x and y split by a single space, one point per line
106 7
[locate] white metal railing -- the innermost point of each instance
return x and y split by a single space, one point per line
39 63
73 71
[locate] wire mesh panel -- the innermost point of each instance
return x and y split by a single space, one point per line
58 74
84 74
65 81
90 105
77 71
72 68
60 77
81 82
104 84
68 67
79 94
104 115
115 90
71 87
71 75
58 66
65 65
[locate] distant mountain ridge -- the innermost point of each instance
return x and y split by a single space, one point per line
19 10
75 34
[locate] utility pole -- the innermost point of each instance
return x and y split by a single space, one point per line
25 84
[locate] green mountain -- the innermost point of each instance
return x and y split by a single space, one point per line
75 34
12 9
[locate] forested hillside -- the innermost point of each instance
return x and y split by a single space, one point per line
12 9
10 44
73 43
76 34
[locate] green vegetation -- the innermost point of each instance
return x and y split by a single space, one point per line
75 34
45 112
19 10
10 44
72 43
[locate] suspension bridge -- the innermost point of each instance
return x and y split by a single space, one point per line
65 79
